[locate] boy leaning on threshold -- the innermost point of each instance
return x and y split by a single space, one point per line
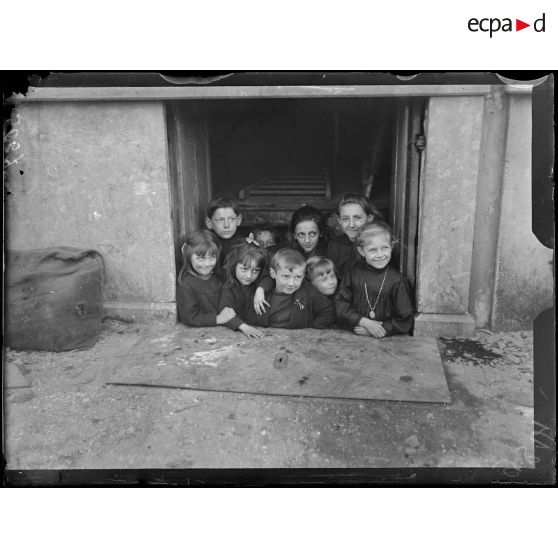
292 303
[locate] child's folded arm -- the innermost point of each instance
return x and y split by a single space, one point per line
266 282
234 324
265 285
345 313
254 319
404 311
227 299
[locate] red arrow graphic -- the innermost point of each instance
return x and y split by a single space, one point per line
519 25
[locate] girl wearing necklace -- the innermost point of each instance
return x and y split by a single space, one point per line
374 299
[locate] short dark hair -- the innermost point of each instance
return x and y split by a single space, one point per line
219 203
287 257
306 213
269 228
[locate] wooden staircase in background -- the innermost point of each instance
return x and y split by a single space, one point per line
274 198
297 184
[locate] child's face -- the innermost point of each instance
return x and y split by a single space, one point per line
351 218
377 250
307 234
288 280
203 265
224 222
247 274
326 282
265 239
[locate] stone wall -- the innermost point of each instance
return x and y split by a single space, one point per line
447 215
94 176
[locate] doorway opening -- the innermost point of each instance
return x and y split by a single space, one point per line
273 155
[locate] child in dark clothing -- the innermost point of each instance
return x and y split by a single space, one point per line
353 212
293 303
223 218
198 288
307 235
243 266
374 299
320 273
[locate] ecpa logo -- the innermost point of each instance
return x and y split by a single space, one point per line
494 24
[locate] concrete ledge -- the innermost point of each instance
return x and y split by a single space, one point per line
140 311
438 325
246 91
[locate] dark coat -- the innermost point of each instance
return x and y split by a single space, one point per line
197 300
395 304
343 253
310 308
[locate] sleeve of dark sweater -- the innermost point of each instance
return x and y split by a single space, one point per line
190 310
228 299
346 314
332 252
322 308
266 282
253 319
403 309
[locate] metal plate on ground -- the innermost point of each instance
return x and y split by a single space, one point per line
308 363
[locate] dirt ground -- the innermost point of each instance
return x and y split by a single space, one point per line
68 417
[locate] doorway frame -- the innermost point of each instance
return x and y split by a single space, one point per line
190 170
38 94
446 321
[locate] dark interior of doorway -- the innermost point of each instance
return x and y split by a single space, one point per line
273 155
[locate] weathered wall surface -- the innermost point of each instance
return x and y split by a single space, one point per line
524 276
94 175
487 215
447 208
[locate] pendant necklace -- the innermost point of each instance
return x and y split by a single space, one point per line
373 308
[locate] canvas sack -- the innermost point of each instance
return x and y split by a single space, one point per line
53 299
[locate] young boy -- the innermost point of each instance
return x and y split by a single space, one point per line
292 303
224 219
